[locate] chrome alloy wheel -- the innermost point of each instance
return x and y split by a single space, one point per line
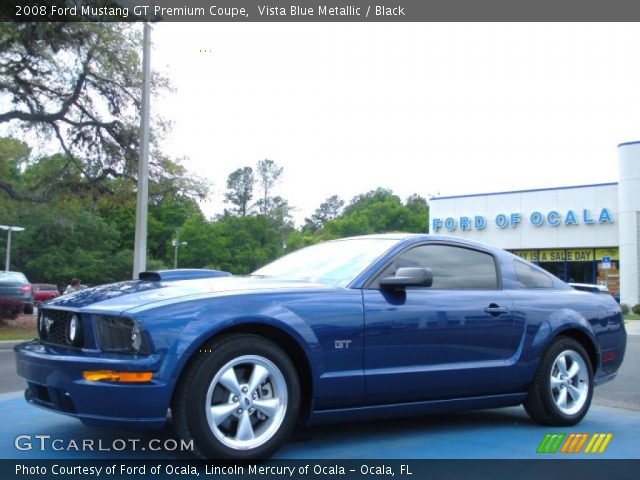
246 402
569 382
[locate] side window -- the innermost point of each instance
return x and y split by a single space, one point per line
454 268
529 277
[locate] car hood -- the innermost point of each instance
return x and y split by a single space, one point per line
118 297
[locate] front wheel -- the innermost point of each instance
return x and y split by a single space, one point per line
561 391
239 399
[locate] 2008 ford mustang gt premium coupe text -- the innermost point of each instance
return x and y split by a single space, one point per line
365 327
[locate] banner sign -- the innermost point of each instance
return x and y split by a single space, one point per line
567 255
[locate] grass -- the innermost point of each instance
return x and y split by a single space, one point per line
16 333
632 316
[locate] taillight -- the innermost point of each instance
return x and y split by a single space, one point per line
25 288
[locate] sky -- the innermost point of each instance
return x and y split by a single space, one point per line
429 108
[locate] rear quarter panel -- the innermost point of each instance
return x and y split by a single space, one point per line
541 315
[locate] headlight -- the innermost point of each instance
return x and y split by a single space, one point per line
73 331
40 321
136 337
119 334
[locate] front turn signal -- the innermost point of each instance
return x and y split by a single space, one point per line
112 376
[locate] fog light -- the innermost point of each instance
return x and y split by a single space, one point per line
112 376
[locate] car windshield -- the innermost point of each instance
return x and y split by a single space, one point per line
335 263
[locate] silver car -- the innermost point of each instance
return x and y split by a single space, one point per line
15 285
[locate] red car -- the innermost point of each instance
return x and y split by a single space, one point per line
43 292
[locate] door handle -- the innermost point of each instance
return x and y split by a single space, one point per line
496 310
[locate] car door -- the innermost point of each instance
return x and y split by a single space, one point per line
449 340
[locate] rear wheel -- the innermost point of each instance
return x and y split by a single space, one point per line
561 391
28 309
239 399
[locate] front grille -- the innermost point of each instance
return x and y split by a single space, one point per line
57 321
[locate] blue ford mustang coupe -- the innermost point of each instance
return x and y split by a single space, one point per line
360 328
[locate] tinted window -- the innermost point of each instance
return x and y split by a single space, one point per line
453 267
529 277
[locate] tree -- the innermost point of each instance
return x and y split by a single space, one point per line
328 210
269 174
419 210
240 189
78 85
379 211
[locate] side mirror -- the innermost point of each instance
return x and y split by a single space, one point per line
408 277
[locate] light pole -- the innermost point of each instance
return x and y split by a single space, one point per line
9 229
176 245
140 240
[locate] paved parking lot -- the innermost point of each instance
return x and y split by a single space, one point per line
502 433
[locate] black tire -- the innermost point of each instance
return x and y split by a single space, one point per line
28 309
204 380
544 400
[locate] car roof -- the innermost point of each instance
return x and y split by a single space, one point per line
418 237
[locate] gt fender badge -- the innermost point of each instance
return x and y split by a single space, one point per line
339 344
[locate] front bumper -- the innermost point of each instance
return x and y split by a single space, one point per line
54 378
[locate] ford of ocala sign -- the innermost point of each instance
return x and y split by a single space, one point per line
512 220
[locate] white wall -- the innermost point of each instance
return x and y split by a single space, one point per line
629 201
524 235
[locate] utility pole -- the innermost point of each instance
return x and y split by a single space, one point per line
140 243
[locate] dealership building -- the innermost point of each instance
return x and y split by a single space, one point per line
581 233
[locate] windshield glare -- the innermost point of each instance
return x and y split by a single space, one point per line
335 263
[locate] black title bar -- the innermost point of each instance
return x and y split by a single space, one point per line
319 10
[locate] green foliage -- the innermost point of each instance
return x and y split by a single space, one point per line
77 85
624 308
379 211
269 174
232 243
636 309
328 210
89 233
240 190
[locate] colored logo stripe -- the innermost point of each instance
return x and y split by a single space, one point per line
573 443
550 443
598 443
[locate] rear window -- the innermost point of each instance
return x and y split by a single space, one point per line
530 277
13 277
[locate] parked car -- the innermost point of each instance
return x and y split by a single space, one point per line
592 288
43 292
15 285
353 329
